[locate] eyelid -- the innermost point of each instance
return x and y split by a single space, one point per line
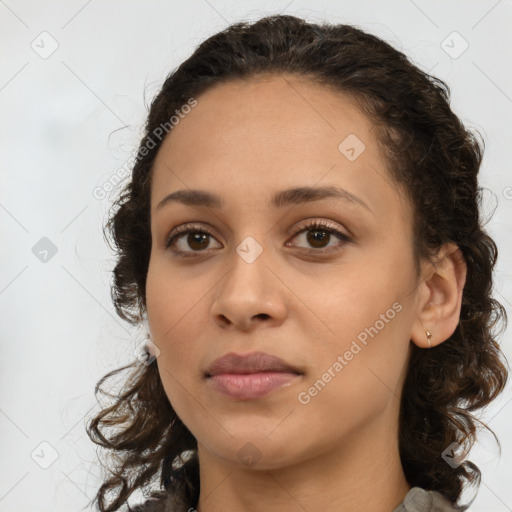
309 223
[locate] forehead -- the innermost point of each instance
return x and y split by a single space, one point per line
265 134
271 108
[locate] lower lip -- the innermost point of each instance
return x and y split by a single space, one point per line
251 385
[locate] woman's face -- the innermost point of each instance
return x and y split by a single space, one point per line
252 277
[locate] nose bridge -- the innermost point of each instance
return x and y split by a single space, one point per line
249 289
247 276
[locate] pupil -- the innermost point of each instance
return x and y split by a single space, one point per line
199 238
317 238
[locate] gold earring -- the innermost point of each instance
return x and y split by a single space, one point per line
429 335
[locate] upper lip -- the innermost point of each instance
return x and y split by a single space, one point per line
249 363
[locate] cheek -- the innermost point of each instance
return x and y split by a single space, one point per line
179 361
171 298
359 373
368 315
174 307
368 351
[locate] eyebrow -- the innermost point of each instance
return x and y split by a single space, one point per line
292 196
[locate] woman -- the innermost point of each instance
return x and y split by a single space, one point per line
301 238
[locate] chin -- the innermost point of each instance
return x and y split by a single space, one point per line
250 449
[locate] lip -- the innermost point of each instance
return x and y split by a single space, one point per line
249 386
254 362
250 376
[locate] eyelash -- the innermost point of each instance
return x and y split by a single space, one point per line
310 226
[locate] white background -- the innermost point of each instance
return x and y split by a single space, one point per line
62 135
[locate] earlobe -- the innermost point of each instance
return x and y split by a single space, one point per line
440 299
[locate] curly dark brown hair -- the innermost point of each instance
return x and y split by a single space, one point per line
432 156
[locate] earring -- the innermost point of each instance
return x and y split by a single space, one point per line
429 335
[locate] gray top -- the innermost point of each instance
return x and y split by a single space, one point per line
420 500
416 500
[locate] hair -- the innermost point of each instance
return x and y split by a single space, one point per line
430 155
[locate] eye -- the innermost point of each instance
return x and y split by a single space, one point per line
319 233
197 239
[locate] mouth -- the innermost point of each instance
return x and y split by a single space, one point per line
250 376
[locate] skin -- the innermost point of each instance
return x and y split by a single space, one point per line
244 141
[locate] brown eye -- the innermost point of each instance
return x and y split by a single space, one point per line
319 234
197 240
318 238
191 237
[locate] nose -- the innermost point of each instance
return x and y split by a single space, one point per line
250 294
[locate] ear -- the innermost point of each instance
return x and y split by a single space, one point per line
440 297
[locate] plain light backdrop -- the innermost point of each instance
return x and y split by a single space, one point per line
75 81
